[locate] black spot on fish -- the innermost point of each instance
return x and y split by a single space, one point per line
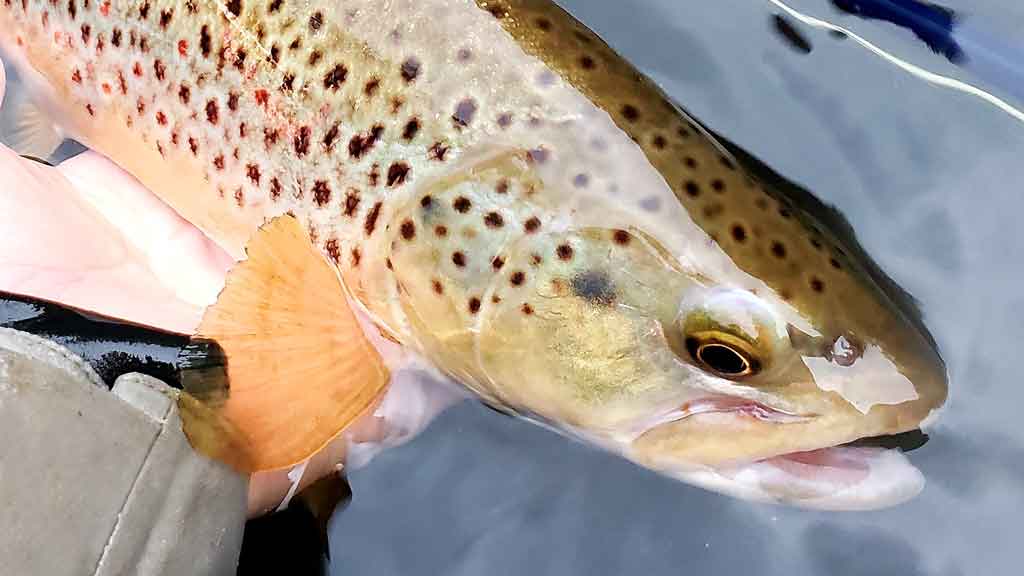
235 7
336 77
594 286
410 69
397 173
330 137
362 143
785 29
370 224
316 21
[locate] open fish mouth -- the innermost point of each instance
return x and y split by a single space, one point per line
864 474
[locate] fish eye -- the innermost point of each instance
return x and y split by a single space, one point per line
727 359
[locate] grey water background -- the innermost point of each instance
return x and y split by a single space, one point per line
932 180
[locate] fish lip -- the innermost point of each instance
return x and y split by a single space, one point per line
717 404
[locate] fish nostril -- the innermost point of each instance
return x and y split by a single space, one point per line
845 351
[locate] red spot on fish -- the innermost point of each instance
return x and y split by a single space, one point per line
261 97
351 202
137 70
253 172
106 88
218 162
76 76
183 47
212 112
140 106
239 197
161 118
270 136
301 141
275 189
193 145
321 193
105 8
333 250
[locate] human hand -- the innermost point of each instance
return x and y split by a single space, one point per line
87 234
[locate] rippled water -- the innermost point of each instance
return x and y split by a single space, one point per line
931 179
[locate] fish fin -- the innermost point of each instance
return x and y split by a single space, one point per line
292 368
30 131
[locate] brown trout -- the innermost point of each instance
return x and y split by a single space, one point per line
488 184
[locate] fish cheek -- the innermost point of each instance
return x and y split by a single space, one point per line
579 340
448 249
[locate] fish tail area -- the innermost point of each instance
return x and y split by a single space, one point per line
279 365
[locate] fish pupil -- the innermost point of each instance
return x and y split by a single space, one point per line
720 358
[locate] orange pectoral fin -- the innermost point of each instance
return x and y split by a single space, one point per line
294 367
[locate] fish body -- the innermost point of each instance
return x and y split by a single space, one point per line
504 195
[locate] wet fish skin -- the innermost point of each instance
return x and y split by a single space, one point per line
507 196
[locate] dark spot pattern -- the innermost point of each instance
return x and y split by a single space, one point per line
397 174
352 200
779 250
594 286
370 224
360 144
494 220
301 141
462 204
465 111
408 230
321 193
212 112
336 77
565 252
410 69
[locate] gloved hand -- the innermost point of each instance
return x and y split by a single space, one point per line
87 234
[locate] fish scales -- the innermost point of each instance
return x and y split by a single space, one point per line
501 192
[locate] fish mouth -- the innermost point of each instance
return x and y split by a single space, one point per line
863 474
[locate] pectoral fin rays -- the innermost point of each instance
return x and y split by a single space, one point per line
295 368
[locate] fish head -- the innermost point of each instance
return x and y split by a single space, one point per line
729 368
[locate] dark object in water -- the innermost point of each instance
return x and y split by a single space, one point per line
791 35
112 347
932 23
294 540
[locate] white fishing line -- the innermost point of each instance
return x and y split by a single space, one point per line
931 77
